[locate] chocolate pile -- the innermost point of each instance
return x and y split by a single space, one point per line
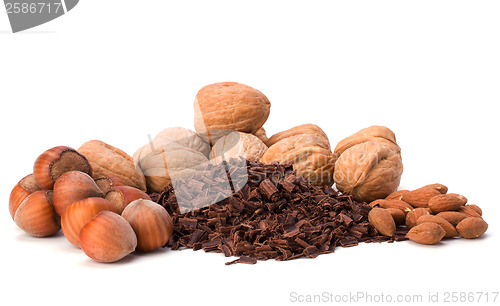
275 215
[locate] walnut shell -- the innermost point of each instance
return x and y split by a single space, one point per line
373 133
182 136
261 134
368 171
224 107
309 154
237 145
166 162
108 161
304 129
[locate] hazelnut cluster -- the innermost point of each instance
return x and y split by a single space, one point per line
103 216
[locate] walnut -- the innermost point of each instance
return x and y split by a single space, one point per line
237 144
108 161
304 129
172 151
369 166
309 154
225 107
162 163
261 134
373 133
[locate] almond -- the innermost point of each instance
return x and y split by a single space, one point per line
398 215
472 227
420 197
447 226
454 217
401 205
383 222
446 202
426 233
414 215
439 187
471 210
378 203
396 195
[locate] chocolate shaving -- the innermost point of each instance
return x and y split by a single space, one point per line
275 215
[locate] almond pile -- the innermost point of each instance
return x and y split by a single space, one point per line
429 214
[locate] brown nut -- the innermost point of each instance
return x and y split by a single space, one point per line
426 233
420 197
108 237
26 186
471 210
397 195
79 213
383 222
122 196
472 227
107 183
439 187
108 161
368 171
152 224
304 129
261 134
398 215
53 163
380 134
454 217
71 187
446 202
413 216
239 145
447 226
166 162
36 215
309 154
224 107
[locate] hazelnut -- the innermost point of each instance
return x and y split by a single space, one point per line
107 237
151 223
36 216
79 213
71 187
53 163
107 183
26 186
121 196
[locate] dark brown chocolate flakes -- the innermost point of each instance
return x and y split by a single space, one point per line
276 215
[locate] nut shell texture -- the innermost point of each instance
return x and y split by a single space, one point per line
107 237
239 145
108 161
309 154
151 223
20 192
374 133
368 171
304 129
36 216
228 106
56 161
79 213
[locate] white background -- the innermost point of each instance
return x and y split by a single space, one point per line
120 70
